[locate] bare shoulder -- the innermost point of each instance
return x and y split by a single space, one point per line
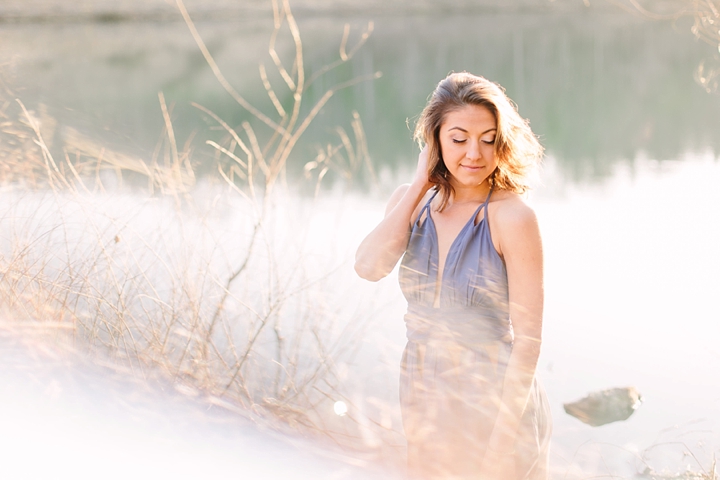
515 222
511 209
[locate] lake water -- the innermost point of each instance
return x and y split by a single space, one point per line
599 88
628 201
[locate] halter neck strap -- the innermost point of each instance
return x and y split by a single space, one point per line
492 187
482 205
426 206
432 197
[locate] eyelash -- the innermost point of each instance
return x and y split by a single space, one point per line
491 142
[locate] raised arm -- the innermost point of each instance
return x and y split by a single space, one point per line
382 248
521 247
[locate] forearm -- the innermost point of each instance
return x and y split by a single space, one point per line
519 376
382 248
521 246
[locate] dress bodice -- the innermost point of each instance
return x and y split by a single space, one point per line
474 291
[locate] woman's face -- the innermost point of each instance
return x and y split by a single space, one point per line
467 144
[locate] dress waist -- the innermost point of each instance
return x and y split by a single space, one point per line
464 325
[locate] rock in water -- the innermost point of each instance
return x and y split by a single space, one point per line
605 406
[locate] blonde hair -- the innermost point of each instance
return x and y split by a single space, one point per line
517 149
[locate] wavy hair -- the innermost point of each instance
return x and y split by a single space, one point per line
517 149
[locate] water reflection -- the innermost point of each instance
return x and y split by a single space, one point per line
598 88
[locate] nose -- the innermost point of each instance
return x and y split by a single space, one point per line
473 151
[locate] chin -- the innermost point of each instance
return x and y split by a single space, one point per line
472 182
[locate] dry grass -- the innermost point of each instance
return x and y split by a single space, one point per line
208 282
705 16
177 290
672 453
710 474
147 282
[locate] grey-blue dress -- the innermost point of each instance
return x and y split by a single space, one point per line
454 363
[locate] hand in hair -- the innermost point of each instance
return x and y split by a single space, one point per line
421 173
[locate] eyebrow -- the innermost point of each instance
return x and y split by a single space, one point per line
463 130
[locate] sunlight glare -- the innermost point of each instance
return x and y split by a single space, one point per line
340 408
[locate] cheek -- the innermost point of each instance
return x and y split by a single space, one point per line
489 152
450 149
445 151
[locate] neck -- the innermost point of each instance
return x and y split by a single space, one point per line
466 194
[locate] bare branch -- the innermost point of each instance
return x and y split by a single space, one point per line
226 152
218 73
271 92
348 56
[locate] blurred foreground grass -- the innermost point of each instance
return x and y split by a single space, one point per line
210 283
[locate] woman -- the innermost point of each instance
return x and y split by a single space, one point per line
472 274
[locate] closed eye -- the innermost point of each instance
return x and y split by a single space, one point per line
489 142
455 140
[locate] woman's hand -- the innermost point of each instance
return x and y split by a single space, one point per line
421 173
497 466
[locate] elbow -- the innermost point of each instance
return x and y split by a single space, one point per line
366 272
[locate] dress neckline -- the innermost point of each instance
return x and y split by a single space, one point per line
461 234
